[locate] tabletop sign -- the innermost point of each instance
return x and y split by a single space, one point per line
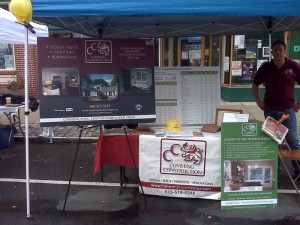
249 167
185 167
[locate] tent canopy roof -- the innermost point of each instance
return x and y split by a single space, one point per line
157 18
12 32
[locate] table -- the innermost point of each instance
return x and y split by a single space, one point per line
177 174
13 115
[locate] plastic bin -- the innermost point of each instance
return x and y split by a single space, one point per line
6 137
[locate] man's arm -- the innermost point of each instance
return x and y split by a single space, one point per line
259 102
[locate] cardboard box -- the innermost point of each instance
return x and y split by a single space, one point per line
210 128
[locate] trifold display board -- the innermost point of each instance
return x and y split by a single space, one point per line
93 81
249 167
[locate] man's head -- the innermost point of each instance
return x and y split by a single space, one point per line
278 50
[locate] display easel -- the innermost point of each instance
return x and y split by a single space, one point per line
123 178
74 161
132 156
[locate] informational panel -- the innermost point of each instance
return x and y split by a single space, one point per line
189 94
94 81
181 167
249 167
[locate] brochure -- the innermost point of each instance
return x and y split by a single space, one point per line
235 117
179 133
274 129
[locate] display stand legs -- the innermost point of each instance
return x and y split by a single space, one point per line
71 175
123 178
136 170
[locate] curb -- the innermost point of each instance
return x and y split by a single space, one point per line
83 140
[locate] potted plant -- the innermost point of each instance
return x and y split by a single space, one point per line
16 87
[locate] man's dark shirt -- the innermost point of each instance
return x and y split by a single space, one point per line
279 83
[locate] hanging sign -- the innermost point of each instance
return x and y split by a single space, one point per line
295 48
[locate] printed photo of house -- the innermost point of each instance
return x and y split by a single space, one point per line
100 87
136 81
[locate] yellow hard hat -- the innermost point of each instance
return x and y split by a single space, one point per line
173 125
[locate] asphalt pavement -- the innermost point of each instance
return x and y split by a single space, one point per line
90 201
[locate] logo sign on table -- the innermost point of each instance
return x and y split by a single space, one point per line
178 167
183 157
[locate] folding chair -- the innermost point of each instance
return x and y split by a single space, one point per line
288 154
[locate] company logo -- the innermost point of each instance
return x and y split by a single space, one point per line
289 71
98 51
249 129
183 157
138 107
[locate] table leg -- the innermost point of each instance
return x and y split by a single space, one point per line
19 123
123 178
101 173
8 115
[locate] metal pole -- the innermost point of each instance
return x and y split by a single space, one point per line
270 44
27 122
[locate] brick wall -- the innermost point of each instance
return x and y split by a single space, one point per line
20 68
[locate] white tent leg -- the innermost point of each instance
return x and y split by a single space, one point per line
27 122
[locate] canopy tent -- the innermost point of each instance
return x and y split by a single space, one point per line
13 33
156 18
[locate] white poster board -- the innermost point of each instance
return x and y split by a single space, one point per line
189 94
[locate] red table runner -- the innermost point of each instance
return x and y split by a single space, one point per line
115 150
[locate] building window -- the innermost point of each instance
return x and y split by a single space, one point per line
5 5
191 51
141 77
249 52
7 61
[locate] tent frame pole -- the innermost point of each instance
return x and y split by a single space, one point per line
270 45
26 123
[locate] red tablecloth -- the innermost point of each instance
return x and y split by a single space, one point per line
115 150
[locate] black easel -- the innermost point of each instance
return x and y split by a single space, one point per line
136 170
122 169
76 153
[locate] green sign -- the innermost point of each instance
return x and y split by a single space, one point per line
295 48
249 167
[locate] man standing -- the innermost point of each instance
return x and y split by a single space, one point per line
279 77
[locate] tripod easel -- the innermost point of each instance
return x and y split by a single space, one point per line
123 178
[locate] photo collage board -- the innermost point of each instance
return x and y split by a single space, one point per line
94 81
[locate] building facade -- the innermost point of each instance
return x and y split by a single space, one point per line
238 56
